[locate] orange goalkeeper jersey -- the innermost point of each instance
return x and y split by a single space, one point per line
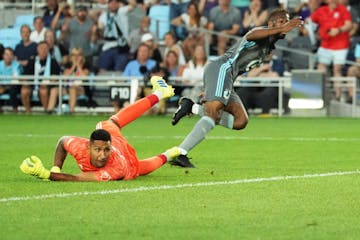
122 163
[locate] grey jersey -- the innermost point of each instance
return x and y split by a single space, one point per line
245 55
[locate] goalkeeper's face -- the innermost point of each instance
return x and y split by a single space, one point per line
99 153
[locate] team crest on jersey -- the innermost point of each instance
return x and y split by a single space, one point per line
227 94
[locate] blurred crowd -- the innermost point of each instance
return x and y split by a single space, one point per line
113 36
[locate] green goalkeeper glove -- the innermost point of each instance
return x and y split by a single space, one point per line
33 166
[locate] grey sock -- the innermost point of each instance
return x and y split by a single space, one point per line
198 133
226 119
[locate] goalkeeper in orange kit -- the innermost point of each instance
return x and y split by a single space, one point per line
106 155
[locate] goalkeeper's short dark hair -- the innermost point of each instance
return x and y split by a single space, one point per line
100 134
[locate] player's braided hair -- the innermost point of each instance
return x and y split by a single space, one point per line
100 134
278 13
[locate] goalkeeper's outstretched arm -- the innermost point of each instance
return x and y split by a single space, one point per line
59 158
83 176
60 153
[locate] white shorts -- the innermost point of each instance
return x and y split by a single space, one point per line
327 56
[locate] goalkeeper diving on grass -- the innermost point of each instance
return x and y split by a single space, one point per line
106 155
222 106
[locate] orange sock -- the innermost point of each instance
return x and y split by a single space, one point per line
135 110
149 165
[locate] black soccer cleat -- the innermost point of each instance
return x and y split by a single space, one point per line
182 161
184 109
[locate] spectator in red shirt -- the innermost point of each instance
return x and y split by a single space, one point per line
334 22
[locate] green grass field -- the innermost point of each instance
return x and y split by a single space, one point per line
287 178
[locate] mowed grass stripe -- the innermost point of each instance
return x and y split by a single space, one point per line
264 138
178 186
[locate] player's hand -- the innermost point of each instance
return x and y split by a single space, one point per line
33 166
296 22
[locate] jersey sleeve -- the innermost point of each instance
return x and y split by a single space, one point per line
77 147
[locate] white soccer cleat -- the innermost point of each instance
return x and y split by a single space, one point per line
159 84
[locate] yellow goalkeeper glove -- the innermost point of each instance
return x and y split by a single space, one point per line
33 166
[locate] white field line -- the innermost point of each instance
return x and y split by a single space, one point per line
178 186
295 139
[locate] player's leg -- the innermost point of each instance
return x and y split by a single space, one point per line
198 133
149 165
202 127
237 110
218 85
187 107
128 114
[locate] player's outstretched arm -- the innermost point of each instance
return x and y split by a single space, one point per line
33 166
260 33
81 177
60 153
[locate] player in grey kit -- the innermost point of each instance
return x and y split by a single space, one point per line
222 106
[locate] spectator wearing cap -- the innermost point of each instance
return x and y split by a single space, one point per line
82 33
136 34
155 54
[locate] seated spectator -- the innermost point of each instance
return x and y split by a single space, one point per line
354 71
38 34
26 48
174 68
177 7
226 20
192 22
171 63
113 25
141 65
136 35
40 65
155 54
10 67
138 68
193 74
255 16
75 66
264 98
53 47
172 45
